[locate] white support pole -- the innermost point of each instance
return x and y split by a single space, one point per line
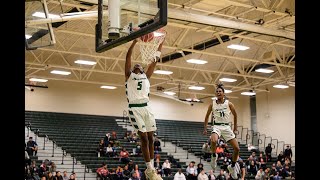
114 19
53 39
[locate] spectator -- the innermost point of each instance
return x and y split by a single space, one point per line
100 149
252 169
134 176
32 147
242 172
260 174
211 176
157 145
158 166
119 173
58 176
199 168
136 171
65 175
103 172
281 157
113 139
166 166
202 175
72 177
124 156
261 162
191 171
126 172
27 159
268 151
206 151
51 176
288 152
53 167
106 139
109 151
179 175
220 151
221 176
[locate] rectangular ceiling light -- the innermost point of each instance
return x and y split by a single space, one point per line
263 70
163 72
43 15
248 93
108 87
281 86
60 72
169 93
196 88
193 99
85 62
197 61
227 91
38 80
28 36
227 80
238 47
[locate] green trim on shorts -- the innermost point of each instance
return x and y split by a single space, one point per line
138 105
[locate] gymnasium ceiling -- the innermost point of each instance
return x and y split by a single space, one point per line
272 45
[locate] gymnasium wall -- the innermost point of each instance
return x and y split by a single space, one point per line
84 98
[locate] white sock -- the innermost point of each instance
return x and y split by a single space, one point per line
152 162
149 166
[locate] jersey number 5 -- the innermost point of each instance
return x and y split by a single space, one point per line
139 85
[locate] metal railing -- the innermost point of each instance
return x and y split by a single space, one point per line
53 142
45 139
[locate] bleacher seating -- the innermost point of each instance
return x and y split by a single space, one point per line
79 135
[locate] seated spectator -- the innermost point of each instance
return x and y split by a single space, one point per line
65 175
158 166
252 168
59 176
50 176
211 176
206 151
199 168
136 171
119 172
109 151
260 174
113 139
220 151
261 162
202 175
124 156
106 139
53 167
126 172
27 159
179 175
138 148
221 175
32 147
103 172
134 177
72 177
157 145
166 167
127 136
191 171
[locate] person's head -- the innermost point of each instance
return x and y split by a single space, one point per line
220 91
134 175
65 173
288 147
43 178
58 173
126 167
137 69
269 144
202 172
49 174
136 167
71 176
221 171
30 139
179 170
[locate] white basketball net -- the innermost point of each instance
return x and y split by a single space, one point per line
148 47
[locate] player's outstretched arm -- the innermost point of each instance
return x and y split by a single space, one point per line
235 117
206 119
127 69
153 64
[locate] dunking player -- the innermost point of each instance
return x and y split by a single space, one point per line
140 114
221 109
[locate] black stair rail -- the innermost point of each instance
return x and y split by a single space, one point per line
175 147
274 145
63 155
53 142
73 162
45 138
36 134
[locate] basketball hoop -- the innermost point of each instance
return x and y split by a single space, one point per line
149 44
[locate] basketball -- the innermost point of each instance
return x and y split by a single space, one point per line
147 37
